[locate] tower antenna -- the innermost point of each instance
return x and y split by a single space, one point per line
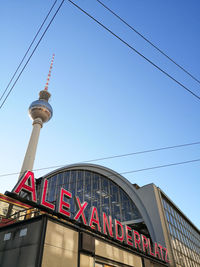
49 74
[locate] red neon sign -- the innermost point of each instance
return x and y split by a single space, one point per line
94 219
80 213
119 231
107 225
44 202
122 233
64 207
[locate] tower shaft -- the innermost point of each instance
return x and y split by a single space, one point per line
40 112
32 147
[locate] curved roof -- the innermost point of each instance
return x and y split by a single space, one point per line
130 190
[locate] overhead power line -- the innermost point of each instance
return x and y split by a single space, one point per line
143 37
140 170
144 151
162 166
126 172
28 50
136 51
114 156
31 54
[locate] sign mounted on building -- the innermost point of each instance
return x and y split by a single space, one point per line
104 224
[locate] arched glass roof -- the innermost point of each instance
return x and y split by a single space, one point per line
97 190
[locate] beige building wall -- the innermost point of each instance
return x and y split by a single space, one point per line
149 263
86 261
61 250
60 246
105 250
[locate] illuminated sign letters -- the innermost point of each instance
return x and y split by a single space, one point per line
123 233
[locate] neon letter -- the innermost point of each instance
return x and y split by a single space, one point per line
156 250
129 238
150 252
161 251
62 204
21 185
144 243
137 240
109 227
94 218
166 254
81 210
44 193
118 224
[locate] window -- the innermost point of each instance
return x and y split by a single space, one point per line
23 232
184 238
7 236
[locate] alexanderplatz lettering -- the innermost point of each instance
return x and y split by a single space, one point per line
123 234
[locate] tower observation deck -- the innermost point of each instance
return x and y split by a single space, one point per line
40 112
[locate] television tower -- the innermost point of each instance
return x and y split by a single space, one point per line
40 112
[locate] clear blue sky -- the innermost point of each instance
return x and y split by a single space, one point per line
106 99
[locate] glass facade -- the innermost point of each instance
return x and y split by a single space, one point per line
185 239
97 190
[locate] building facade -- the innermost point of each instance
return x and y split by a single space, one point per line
90 215
49 242
181 236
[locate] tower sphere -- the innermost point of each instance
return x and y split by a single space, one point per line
41 108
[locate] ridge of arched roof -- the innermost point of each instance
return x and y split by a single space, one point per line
130 190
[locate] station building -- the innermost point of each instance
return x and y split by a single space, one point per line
86 215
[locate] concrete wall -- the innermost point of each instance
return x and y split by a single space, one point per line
60 246
86 261
148 195
151 198
111 252
19 244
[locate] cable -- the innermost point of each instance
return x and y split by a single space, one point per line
143 152
132 48
115 156
162 166
32 52
142 36
133 171
150 168
28 50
